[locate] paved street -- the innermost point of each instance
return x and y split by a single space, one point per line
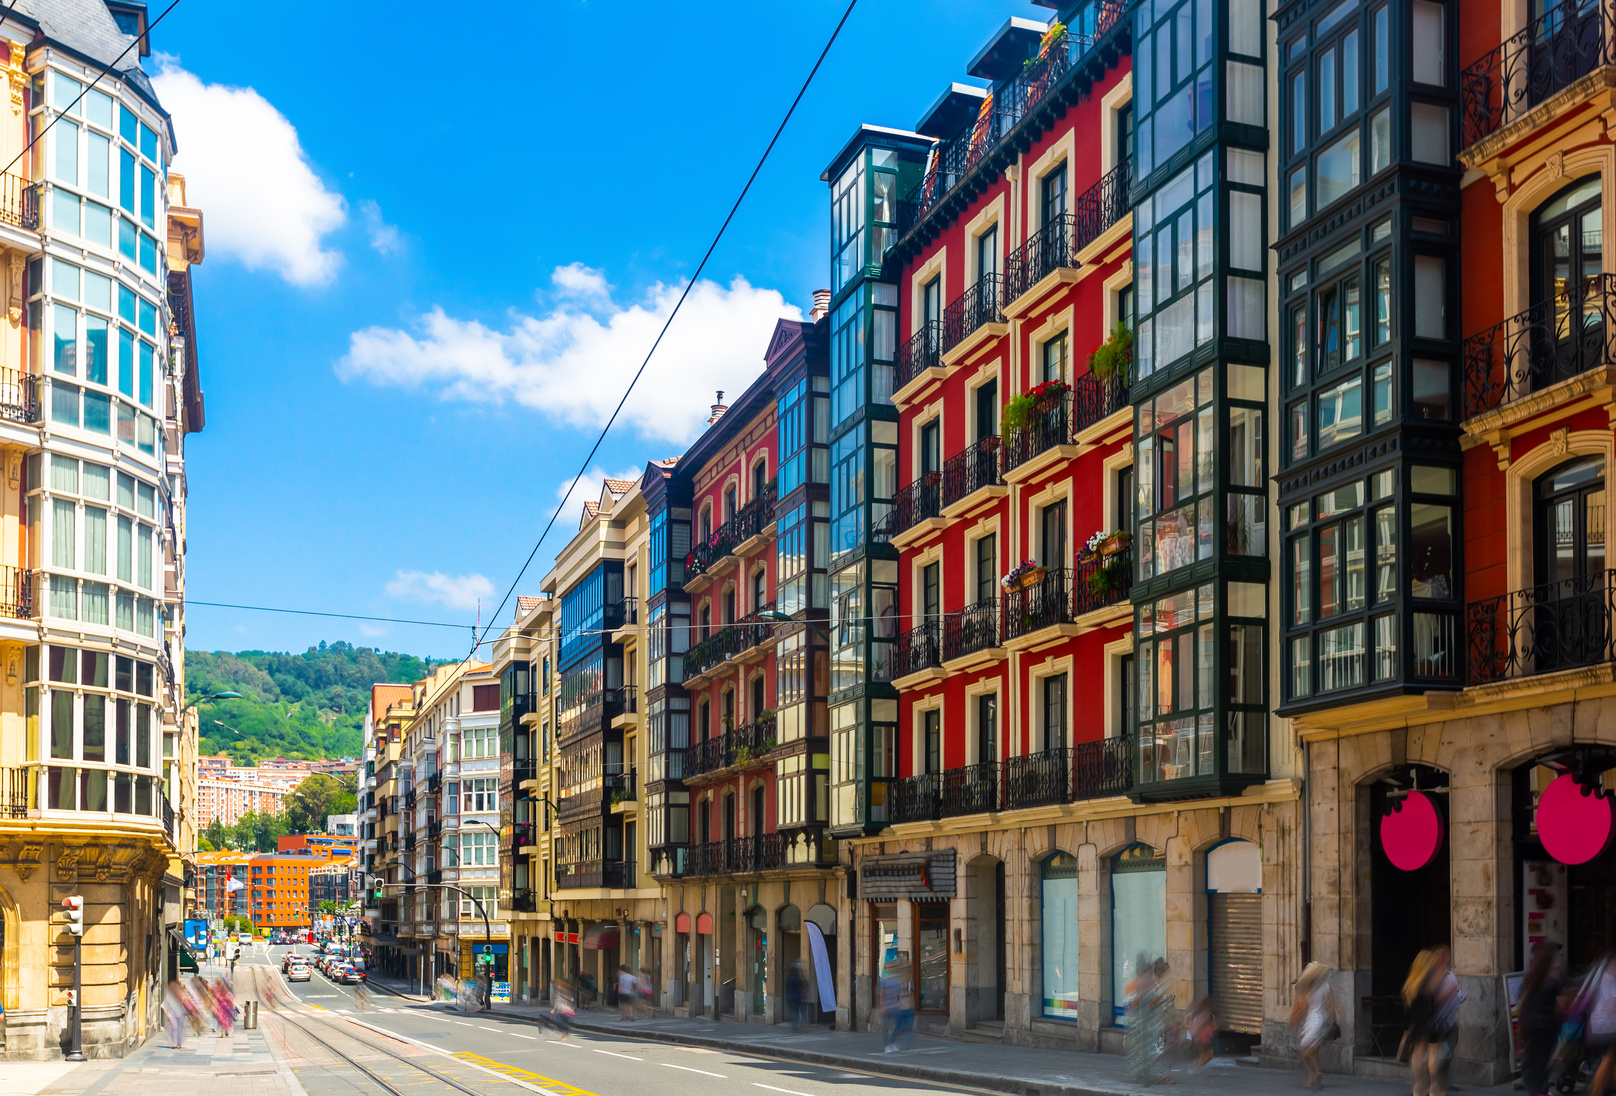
325 1039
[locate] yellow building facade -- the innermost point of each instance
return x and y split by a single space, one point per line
99 387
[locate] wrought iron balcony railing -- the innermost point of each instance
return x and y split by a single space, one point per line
1046 602
983 303
1102 768
921 352
630 608
1552 341
915 503
959 155
16 592
1049 423
732 747
1102 205
971 469
1553 51
970 789
1099 581
729 641
972 629
1095 400
1552 626
738 856
14 793
748 522
19 397
1046 251
19 201
919 648
1037 780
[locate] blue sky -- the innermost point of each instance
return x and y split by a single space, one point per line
437 250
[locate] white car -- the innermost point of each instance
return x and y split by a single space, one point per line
244 939
298 971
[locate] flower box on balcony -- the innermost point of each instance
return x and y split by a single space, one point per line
1025 576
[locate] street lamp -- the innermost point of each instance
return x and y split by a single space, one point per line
775 616
205 697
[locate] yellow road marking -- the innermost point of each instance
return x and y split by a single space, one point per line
516 1073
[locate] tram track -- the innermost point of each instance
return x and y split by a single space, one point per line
386 1084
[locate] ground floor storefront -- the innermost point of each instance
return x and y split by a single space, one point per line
1482 824
592 937
732 943
132 920
1030 926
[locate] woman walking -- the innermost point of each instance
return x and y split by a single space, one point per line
1313 1012
1429 994
1601 1039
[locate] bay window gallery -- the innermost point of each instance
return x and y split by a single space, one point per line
91 720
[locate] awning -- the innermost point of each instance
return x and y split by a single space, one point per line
600 937
384 940
704 924
681 922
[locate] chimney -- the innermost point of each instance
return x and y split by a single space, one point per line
821 304
718 408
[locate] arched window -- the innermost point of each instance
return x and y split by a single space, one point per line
1568 527
1567 259
1138 917
1059 913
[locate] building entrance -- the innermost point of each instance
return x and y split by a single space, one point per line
1572 905
1411 909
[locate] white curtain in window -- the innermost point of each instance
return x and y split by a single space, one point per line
64 534
95 539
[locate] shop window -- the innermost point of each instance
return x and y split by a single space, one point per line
1058 913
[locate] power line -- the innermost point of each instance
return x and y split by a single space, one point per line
689 285
146 34
342 616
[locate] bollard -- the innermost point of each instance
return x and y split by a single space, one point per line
249 1016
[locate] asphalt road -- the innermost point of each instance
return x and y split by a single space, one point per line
337 1048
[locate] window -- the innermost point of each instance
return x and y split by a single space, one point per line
479 849
987 727
1054 711
479 902
481 794
478 742
1173 262
1052 189
931 741
1174 464
1059 917
1054 358
1052 523
987 568
987 253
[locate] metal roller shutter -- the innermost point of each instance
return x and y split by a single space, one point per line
1235 960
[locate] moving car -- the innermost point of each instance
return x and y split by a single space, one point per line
244 938
298 971
342 972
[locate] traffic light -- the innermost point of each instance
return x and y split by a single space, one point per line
73 997
74 903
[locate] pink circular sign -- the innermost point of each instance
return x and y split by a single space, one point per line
1573 821
1411 833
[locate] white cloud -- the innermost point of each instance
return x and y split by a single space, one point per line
384 237
573 365
246 170
450 591
581 283
373 630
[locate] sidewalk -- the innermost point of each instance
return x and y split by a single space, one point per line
242 1062
999 1068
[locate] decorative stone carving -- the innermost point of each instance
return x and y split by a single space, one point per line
14 281
1556 165
17 74
67 865
1560 441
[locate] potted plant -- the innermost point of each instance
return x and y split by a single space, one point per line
1029 572
1024 407
1113 359
1103 544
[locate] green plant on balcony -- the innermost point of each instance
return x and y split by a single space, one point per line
1021 409
1113 359
622 795
744 755
768 744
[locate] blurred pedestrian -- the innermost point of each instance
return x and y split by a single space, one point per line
1540 1015
1601 1039
1200 1029
1428 992
642 994
796 996
625 994
1314 1018
562 1008
890 1003
1147 1008
175 1012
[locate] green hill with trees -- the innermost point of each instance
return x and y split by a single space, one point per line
310 705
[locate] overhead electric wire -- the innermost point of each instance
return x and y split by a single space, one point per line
689 285
314 612
146 34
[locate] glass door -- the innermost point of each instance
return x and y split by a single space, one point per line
1570 608
1567 313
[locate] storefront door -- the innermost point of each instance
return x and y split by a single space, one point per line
1138 918
1234 939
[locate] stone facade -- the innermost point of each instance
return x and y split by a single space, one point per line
124 951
